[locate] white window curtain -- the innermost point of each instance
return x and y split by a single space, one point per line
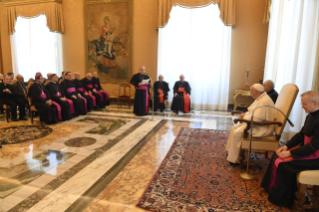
291 50
35 49
196 43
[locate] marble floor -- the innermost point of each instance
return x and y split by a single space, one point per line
99 162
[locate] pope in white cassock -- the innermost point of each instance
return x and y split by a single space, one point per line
261 114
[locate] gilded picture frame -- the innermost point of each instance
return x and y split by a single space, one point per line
108 28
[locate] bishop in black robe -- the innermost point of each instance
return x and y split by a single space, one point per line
89 87
56 92
97 85
42 101
181 100
161 90
91 102
70 92
280 177
141 100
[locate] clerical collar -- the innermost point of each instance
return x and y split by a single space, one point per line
315 111
53 82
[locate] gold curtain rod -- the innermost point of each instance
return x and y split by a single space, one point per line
9 3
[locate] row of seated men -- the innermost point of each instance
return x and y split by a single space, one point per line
280 180
55 101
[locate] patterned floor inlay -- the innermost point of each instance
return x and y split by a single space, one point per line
20 134
80 141
106 126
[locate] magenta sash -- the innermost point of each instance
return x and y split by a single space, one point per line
96 85
81 89
90 85
58 95
314 155
71 90
59 110
85 103
43 95
72 110
144 87
101 95
93 97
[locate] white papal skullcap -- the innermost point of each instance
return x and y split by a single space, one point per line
258 87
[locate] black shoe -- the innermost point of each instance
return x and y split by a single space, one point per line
14 119
23 119
234 164
0 146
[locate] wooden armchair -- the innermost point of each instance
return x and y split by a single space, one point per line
125 94
285 102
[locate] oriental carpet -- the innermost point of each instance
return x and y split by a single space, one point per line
196 177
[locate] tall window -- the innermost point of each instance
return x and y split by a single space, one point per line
196 43
291 50
35 48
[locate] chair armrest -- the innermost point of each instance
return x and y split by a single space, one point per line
259 123
236 112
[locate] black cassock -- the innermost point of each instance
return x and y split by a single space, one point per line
69 89
88 85
141 100
56 92
97 85
282 190
180 101
47 113
11 100
80 89
164 87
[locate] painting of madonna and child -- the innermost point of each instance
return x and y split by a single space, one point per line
108 34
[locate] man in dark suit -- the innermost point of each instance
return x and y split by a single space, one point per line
62 77
269 88
20 91
7 94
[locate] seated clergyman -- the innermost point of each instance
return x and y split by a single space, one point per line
89 88
21 94
261 114
161 90
280 177
97 85
42 101
80 104
181 100
269 87
91 102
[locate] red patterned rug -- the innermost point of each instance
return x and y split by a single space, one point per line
195 176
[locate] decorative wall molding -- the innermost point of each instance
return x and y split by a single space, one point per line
9 3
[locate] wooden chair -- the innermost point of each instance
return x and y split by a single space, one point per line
307 178
61 80
125 95
285 102
47 82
